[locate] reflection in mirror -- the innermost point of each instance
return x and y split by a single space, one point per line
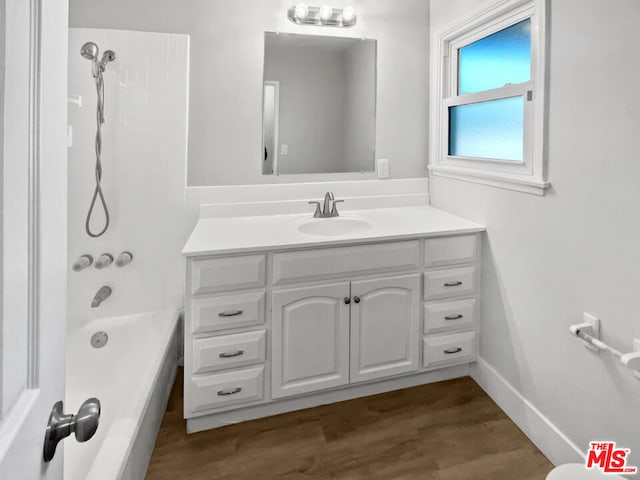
319 104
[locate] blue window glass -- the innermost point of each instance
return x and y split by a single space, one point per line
494 61
492 129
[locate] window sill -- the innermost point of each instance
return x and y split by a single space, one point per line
509 182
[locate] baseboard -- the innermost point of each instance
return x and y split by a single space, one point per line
553 443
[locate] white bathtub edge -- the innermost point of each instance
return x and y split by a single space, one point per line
138 457
151 414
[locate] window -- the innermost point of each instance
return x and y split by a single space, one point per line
489 93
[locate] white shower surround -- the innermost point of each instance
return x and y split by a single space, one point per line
144 178
144 170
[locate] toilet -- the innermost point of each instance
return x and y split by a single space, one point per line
577 471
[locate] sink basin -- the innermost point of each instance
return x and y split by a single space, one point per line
334 226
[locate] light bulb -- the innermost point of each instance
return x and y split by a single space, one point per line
302 10
348 14
326 12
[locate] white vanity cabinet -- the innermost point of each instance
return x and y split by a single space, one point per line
310 328
275 331
333 334
450 293
385 321
225 334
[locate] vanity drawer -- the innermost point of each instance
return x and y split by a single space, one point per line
229 351
310 265
443 251
454 315
222 274
210 314
449 349
213 391
449 283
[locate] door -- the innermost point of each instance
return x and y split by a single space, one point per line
385 327
310 339
33 224
271 125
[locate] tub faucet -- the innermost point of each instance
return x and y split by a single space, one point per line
101 296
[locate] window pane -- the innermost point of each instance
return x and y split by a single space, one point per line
491 129
492 62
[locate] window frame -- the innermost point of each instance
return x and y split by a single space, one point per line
529 174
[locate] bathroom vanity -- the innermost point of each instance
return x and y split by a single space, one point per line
287 311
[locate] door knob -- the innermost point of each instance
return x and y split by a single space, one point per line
347 300
83 425
356 299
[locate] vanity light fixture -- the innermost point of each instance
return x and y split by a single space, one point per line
326 12
324 16
348 14
301 11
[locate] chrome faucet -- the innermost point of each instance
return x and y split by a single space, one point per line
328 198
329 208
101 296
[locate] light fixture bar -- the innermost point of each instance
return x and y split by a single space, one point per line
324 16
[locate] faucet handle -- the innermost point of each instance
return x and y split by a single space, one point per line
334 209
124 259
318 212
103 261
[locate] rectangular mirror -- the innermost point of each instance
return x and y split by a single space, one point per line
319 111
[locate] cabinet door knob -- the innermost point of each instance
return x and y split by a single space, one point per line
356 299
347 300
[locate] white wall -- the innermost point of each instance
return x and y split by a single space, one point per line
144 163
548 259
225 145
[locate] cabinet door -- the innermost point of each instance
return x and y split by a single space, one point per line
310 339
385 327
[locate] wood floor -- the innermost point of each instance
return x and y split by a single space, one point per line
444 431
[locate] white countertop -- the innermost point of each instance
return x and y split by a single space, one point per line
213 236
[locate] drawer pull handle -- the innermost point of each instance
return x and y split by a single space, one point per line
454 317
451 351
235 313
224 393
237 353
453 284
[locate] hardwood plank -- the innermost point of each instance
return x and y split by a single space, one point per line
443 431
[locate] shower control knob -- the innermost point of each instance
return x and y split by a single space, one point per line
85 261
104 261
123 259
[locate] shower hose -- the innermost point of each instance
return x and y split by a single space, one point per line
98 195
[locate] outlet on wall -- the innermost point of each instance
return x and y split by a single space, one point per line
284 150
383 168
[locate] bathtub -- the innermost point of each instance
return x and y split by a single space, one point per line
132 376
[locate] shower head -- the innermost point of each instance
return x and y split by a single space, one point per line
107 56
90 51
